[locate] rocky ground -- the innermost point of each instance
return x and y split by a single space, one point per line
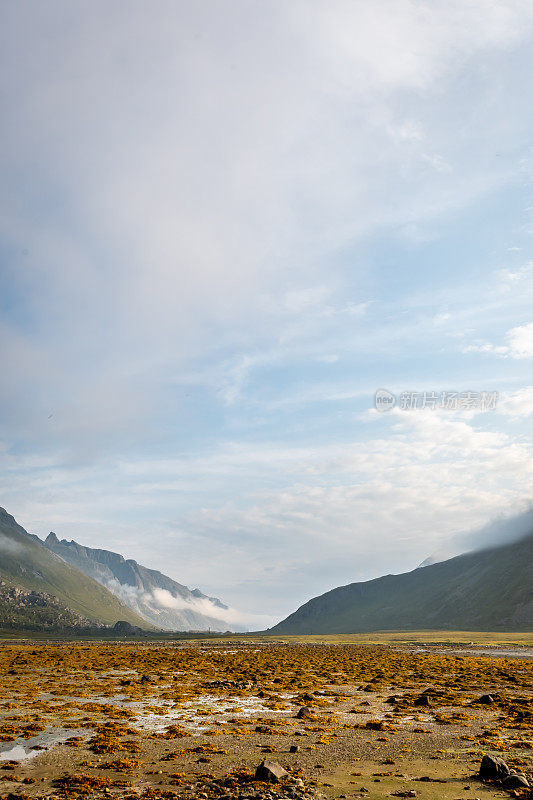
170 720
23 609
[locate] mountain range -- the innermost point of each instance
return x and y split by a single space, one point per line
26 564
96 586
487 590
59 583
155 597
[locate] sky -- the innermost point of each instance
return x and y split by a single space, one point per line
224 226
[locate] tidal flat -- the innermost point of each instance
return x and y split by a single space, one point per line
194 719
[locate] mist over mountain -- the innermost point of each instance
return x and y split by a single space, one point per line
499 531
485 590
27 565
156 597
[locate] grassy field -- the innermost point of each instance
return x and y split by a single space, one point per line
497 638
435 638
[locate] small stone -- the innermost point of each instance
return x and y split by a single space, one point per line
294 748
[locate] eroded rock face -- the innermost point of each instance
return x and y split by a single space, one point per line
493 769
270 771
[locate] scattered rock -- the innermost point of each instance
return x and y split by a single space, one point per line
423 700
227 684
270 772
486 699
294 748
516 780
305 711
493 769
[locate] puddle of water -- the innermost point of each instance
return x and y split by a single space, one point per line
501 653
17 753
186 715
495 652
47 739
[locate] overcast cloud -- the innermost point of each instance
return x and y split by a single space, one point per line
224 226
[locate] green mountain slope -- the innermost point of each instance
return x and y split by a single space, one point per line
489 590
25 562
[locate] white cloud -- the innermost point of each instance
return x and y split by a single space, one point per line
510 279
185 197
305 518
191 172
521 341
517 404
519 344
10 546
229 616
478 346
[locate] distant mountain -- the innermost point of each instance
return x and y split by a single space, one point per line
488 590
26 564
154 596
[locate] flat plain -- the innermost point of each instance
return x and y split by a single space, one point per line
386 715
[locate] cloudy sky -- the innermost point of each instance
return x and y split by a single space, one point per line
224 226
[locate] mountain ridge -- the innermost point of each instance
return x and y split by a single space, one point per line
489 589
27 564
154 596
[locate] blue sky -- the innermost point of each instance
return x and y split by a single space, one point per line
223 227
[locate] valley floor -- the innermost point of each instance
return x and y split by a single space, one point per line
170 720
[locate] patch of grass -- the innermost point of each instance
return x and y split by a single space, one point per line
494 638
